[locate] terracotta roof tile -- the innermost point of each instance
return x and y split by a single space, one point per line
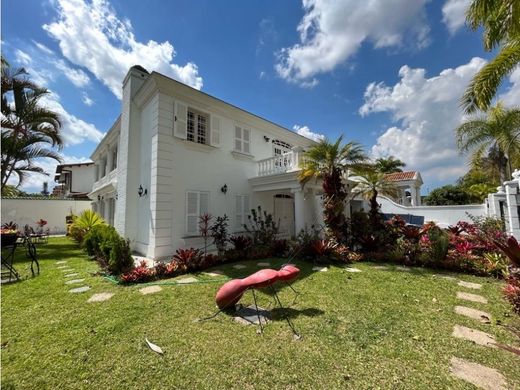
401 176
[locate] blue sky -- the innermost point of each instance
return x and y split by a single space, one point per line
386 73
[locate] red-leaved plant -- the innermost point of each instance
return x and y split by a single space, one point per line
139 274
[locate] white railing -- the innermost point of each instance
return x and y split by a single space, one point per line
287 162
112 176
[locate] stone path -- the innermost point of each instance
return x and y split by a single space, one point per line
61 262
478 315
239 266
263 264
474 286
471 297
100 297
405 269
214 273
150 290
477 374
320 269
476 336
74 281
380 267
187 280
481 376
352 269
71 275
80 289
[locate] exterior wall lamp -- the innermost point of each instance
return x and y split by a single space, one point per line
224 189
142 192
266 138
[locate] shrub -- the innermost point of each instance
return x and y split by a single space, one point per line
219 233
139 274
438 245
83 223
262 227
305 238
188 259
204 226
280 248
241 243
512 293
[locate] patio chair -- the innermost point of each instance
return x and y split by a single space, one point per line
7 259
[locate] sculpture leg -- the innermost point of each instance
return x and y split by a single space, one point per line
286 317
296 293
257 312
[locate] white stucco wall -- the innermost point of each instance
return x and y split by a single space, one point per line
28 211
441 215
83 177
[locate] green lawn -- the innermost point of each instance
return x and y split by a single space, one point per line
374 329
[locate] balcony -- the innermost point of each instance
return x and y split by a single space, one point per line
284 163
106 184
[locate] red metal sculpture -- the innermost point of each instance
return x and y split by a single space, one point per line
231 292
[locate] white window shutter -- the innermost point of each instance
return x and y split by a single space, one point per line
203 203
192 212
246 208
246 139
180 120
215 131
238 139
239 212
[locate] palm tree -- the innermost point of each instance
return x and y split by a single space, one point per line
500 20
329 162
27 127
389 164
370 184
498 131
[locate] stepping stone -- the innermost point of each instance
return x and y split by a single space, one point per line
405 269
478 315
352 269
474 286
478 337
150 290
249 315
100 297
445 277
477 374
471 297
187 280
380 267
62 266
71 275
263 264
320 269
80 289
61 262
239 266
214 273
74 281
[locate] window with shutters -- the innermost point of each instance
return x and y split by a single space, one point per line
242 211
197 126
197 204
242 140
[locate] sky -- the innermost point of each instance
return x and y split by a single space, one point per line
385 73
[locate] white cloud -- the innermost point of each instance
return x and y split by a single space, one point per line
73 130
512 96
86 99
454 14
22 57
307 132
427 112
76 76
91 35
34 182
43 48
332 31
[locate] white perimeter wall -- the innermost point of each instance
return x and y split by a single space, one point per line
441 215
28 211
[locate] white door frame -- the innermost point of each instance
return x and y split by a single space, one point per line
283 212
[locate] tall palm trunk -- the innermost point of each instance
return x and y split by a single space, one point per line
334 202
374 209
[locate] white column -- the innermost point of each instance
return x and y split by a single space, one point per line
512 208
299 210
418 194
413 192
110 158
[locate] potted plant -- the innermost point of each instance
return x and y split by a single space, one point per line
9 233
41 223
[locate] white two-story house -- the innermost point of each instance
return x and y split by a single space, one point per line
176 153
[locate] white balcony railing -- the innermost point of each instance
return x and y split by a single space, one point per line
105 180
287 162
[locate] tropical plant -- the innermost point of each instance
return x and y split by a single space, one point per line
219 233
499 129
370 183
500 20
188 259
448 195
204 229
241 243
389 164
262 227
27 128
329 162
83 223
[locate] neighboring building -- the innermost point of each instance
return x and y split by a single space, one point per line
176 153
74 180
409 187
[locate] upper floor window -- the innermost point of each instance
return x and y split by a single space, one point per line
114 159
280 147
242 140
197 127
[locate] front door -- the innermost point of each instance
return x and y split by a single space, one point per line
284 214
